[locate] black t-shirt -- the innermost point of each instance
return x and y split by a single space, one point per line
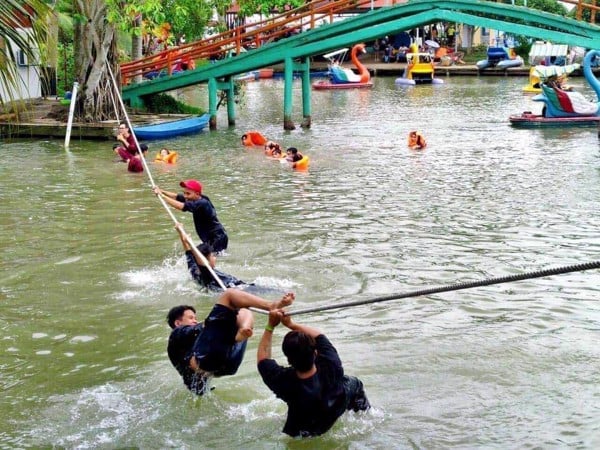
206 222
315 403
179 349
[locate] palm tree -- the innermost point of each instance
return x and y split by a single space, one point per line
16 15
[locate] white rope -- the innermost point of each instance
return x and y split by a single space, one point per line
114 103
194 250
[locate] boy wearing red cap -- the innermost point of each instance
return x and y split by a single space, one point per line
207 224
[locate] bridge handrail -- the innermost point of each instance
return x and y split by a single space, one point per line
233 39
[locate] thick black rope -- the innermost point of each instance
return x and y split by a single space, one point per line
456 287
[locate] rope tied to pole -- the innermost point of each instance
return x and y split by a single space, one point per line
194 250
456 287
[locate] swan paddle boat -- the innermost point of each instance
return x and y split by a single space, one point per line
419 69
343 78
500 57
174 128
562 107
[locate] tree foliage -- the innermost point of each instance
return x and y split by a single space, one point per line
189 17
549 6
250 7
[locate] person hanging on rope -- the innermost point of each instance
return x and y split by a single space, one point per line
215 347
200 272
315 388
207 224
127 147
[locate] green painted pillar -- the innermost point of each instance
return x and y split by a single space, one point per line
136 102
212 103
230 102
288 78
306 89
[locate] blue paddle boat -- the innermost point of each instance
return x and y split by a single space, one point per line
171 129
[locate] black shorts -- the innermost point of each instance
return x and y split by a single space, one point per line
356 399
219 241
215 349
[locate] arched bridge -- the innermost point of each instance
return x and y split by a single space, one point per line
295 51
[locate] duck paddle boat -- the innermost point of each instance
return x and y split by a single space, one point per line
171 129
561 107
344 78
419 69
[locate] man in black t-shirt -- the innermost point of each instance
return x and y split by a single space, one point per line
215 347
200 272
208 227
315 388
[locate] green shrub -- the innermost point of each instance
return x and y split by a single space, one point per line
165 104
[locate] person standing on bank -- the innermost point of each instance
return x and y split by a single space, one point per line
207 224
315 388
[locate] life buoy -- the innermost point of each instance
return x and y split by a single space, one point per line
171 158
301 164
416 140
253 138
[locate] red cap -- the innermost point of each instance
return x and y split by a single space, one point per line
192 185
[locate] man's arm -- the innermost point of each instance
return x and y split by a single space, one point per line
309 331
266 342
184 241
169 197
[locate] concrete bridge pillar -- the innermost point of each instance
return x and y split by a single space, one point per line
288 76
306 92
228 87
212 103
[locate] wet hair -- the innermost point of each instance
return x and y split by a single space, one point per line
244 136
299 348
294 150
206 249
176 313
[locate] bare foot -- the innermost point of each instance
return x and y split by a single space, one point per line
243 334
286 300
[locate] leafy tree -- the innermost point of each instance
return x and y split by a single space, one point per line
266 7
550 6
146 17
95 49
